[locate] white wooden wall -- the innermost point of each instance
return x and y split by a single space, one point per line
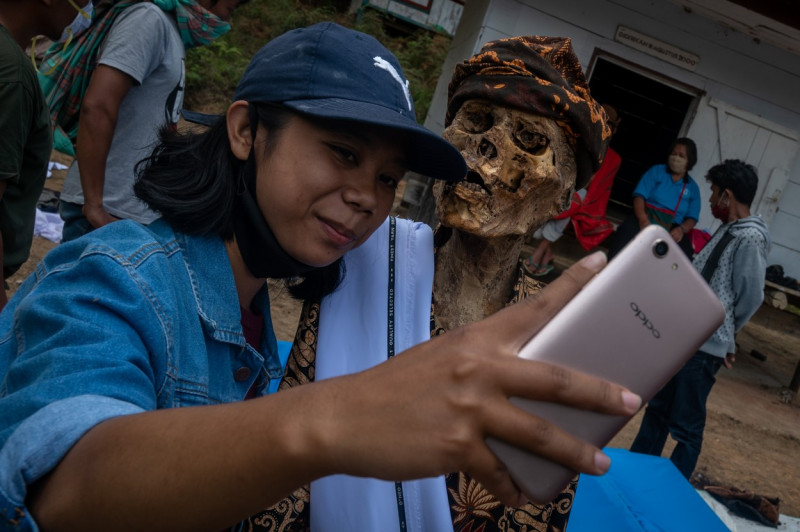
728 132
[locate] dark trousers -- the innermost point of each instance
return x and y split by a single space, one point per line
628 229
75 223
679 409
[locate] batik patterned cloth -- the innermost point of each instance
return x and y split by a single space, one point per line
292 512
475 509
540 75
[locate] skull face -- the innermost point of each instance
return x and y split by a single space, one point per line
521 171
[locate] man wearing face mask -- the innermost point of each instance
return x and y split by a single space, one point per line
734 262
665 195
25 142
135 89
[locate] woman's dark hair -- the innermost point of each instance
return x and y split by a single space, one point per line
691 150
191 179
736 176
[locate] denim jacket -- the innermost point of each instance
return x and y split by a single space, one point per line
125 320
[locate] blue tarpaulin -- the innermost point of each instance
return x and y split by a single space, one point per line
284 348
640 493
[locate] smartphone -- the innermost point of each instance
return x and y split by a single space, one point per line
635 323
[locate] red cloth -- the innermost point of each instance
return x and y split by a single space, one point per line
253 328
699 239
589 213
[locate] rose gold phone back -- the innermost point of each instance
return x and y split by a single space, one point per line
636 323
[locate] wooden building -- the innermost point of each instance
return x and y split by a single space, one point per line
724 73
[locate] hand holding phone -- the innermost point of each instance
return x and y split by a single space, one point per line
636 323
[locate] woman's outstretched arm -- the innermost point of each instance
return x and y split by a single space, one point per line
423 413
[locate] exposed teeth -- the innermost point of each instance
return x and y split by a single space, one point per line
474 183
473 186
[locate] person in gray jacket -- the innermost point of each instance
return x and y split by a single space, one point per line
734 262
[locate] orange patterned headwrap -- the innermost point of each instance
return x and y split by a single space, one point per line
540 75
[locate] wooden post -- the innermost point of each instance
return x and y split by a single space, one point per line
776 299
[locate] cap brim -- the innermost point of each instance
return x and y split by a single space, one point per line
196 117
429 153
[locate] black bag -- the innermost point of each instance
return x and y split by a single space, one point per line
775 275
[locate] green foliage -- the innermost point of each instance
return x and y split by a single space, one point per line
421 54
213 71
210 69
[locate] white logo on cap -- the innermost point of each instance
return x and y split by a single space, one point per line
380 62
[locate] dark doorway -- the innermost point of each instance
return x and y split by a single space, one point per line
653 113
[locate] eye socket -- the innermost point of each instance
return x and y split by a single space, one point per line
389 180
477 121
529 140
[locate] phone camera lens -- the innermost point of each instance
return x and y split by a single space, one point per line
660 248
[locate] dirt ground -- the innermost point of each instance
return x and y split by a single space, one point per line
752 437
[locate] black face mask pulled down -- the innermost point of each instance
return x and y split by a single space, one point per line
261 253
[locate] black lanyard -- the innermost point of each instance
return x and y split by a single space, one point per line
713 258
398 486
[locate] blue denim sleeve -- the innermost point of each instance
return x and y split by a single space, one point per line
82 344
39 443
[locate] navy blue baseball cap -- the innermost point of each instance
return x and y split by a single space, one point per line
329 71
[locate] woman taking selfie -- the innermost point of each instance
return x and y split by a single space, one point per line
116 334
